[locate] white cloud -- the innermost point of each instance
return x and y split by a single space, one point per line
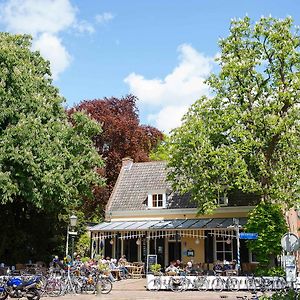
104 18
84 26
169 117
172 95
37 16
52 49
44 20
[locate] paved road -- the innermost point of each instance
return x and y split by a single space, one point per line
134 289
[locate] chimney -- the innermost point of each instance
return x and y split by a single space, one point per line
127 163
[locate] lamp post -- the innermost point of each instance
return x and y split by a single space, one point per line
73 223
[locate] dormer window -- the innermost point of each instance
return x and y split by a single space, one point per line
157 200
223 200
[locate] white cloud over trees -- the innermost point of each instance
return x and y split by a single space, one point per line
172 95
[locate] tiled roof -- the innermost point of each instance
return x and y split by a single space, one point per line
137 181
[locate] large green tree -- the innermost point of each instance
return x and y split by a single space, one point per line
246 135
47 161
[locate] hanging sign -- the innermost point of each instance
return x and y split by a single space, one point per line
248 236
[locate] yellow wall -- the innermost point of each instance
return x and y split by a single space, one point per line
189 244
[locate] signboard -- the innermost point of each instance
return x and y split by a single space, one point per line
290 268
151 260
289 242
248 236
190 253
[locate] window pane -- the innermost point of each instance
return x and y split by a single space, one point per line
228 256
219 246
228 247
220 256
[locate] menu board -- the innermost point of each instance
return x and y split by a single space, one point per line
151 260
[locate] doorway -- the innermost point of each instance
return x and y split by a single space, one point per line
174 251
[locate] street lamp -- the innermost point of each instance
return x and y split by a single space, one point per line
73 223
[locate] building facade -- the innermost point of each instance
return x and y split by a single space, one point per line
144 216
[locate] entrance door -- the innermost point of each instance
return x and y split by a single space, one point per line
174 251
130 249
157 247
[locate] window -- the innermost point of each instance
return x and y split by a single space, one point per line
157 200
223 200
252 257
223 249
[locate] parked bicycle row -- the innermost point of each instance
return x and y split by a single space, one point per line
216 283
54 283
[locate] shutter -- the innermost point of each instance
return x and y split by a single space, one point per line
209 248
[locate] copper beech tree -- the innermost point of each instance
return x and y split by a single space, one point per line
121 136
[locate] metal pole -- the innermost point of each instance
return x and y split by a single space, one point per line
72 248
67 242
237 228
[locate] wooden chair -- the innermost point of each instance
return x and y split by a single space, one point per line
137 272
171 273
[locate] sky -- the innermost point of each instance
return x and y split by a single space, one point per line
159 50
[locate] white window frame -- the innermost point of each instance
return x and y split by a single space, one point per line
223 251
223 200
251 257
164 199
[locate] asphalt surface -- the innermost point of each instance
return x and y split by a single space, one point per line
134 289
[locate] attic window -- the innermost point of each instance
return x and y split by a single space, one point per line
223 200
157 200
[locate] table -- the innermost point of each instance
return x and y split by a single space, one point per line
116 273
130 268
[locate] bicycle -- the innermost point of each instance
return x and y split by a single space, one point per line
200 283
103 284
230 283
176 283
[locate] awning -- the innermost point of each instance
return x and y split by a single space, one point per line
177 224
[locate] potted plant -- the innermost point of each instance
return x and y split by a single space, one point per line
155 269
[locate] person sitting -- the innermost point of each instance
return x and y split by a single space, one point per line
114 269
121 265
189 268
106 270
218 268
172 269
232 269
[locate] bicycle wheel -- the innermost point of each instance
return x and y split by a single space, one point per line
280 283
53 288
233 284
154 284
201 283
104 286
89 288
3 293
176 284
251 285
33 294
265 284
218 284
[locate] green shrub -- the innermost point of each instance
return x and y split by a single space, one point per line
155 269
284 295
274 271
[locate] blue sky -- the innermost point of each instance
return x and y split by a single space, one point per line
159 50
